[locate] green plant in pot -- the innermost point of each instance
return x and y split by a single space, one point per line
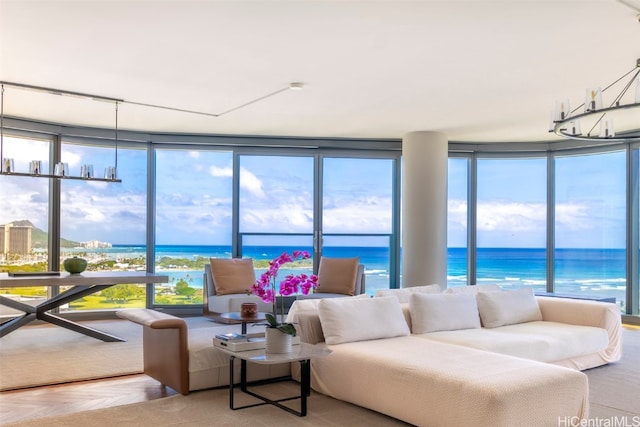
75 265
287 328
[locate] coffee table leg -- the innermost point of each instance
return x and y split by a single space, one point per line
243 375
305 385
231 359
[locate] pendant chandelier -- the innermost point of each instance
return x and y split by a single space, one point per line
593 121
61 169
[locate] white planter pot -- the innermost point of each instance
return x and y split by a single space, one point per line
277 342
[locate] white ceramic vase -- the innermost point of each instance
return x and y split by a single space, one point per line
277 342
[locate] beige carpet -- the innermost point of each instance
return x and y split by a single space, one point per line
48 354
614 389
211 408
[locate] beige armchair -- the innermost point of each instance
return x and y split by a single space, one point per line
227 283
338 277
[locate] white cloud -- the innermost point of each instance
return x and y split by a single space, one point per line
248 180
457 214
574 216
511 216
251 183
225 172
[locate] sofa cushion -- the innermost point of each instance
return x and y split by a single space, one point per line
337 275
542 341
359 319
232 275
434 384
508 307
443 312
404 293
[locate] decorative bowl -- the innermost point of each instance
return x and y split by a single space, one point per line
75 265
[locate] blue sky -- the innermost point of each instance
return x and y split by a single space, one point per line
193 197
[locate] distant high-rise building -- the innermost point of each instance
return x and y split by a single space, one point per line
15 239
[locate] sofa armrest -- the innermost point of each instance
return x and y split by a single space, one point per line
164 345
587 313
152 319
309 327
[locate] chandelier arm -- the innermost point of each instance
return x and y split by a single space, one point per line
616 101
622 77
596 124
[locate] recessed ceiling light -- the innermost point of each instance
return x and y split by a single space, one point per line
296 86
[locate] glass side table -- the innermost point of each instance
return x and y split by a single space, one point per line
302 353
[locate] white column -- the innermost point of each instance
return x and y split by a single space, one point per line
424 209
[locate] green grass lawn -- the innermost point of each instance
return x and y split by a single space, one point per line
99 302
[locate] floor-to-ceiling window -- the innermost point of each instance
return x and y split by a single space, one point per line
634 264
24 216
590 224
193 219
289 196
357 214
105 222
511 222
276 202
457 223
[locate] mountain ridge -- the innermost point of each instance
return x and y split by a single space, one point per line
40 238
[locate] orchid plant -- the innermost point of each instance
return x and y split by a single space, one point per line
266 287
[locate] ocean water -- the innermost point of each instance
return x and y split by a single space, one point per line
597 272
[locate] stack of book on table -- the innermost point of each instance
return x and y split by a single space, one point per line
239 342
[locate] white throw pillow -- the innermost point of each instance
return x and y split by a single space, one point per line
475 289
404 293
508 307
311 305
361 319
443 312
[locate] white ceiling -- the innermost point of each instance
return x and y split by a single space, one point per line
475 70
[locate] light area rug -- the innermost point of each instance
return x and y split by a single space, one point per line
614 389
211 408
47 354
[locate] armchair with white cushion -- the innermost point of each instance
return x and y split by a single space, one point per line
227 284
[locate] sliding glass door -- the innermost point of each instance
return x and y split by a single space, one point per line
276 207
193 218
357 214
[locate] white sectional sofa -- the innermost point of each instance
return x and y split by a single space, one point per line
461 358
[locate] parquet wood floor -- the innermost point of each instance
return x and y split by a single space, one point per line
19 405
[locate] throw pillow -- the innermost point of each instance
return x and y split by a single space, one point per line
337 275
232 275
360 319
443 312
310 306
404 293
508 307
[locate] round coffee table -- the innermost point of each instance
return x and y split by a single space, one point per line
236 316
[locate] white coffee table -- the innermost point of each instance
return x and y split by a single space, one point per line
302 353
